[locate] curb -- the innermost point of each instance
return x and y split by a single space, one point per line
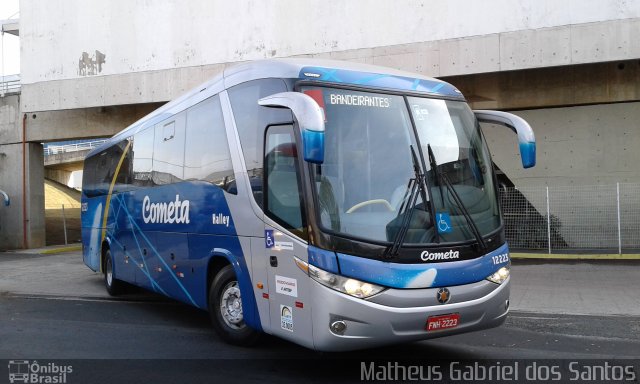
565 256
50 251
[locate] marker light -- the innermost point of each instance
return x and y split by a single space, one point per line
302 265
353 287
500 275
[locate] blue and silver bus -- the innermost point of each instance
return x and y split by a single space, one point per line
336 205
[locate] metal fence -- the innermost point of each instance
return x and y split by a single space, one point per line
9 84
602 218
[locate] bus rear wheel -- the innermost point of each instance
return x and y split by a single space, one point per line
114 286
225 309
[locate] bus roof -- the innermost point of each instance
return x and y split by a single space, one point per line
317 70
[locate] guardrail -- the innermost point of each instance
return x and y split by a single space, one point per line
9 86
55 149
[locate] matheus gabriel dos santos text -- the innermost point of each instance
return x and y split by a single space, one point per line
496 371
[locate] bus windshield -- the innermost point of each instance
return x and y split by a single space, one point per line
363 186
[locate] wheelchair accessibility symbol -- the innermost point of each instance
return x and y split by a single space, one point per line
444 223
268 238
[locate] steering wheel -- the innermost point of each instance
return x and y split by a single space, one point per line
369 202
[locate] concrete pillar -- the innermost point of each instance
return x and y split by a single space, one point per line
15 217
35 196
12 218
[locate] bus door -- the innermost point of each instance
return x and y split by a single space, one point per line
285 231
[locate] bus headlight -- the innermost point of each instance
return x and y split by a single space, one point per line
353 287
500 275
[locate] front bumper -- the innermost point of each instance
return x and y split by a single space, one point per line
370 324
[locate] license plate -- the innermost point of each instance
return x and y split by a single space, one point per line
436 323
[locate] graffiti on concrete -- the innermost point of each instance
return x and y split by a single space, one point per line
91 65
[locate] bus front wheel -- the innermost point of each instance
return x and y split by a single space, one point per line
113 285
225 309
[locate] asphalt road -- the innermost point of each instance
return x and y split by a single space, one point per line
146 333
149 327
147 338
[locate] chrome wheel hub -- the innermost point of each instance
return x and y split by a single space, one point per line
109 273
231 305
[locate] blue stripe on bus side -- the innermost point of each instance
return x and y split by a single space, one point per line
135 228
205 241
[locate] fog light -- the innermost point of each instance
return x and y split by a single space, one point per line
338 327
506 304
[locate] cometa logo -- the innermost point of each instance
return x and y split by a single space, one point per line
176 211
431 256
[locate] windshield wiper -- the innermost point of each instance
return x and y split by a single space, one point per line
456 198
415 187
434 165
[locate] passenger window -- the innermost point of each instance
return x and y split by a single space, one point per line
169 130
123 180
252 119
96 170
168 151
207 155
100 171
283 200
142 158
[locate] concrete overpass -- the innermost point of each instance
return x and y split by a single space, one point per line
571 68
11 26
22 163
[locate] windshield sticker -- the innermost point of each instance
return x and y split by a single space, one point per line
360 100
444 223
419 112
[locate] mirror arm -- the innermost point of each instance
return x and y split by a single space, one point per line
526 138
310 119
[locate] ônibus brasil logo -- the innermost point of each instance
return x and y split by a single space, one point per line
430 256
25 371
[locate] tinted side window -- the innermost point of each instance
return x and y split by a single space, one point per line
143 157
99 171
283 196
207 154
251 121
168 151
124 177
89 176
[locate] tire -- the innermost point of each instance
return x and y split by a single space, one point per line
114 286
225 309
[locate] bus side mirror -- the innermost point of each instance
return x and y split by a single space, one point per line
4 195
310 119
526 138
